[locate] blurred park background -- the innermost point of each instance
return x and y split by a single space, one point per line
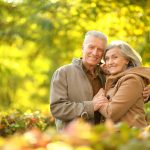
38 36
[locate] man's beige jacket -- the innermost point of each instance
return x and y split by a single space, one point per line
71 94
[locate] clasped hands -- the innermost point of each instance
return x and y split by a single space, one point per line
99 99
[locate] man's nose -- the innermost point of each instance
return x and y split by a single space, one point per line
95 51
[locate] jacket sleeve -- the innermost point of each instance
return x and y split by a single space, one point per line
60 105
129 91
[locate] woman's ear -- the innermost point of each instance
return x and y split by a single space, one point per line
127 62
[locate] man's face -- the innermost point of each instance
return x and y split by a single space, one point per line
93 49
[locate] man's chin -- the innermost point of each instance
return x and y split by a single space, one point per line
94 60
93 63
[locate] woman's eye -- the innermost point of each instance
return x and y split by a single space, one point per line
106 59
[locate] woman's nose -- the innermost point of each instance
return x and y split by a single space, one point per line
109 61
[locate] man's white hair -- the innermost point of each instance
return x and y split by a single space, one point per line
96 34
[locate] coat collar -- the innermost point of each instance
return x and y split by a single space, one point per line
143 72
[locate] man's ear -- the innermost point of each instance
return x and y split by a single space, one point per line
82 47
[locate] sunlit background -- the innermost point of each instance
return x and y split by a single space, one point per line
38 36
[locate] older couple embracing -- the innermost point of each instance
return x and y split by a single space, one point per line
86 89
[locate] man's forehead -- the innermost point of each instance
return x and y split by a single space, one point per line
98 44
92 40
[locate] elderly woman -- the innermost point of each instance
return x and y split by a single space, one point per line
122 100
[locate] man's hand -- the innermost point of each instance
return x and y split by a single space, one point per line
146 94
99 99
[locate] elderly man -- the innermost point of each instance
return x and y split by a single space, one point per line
74 86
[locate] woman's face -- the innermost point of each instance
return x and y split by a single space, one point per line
115 61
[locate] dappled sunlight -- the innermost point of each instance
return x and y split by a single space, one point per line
36 38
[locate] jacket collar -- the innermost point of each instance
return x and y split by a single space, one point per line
143 72
100 73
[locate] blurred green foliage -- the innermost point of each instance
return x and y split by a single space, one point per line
19 122
38 36
81 136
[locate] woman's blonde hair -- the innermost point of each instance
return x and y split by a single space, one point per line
127 51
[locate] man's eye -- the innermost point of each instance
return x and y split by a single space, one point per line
99 49
91 47
115 57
